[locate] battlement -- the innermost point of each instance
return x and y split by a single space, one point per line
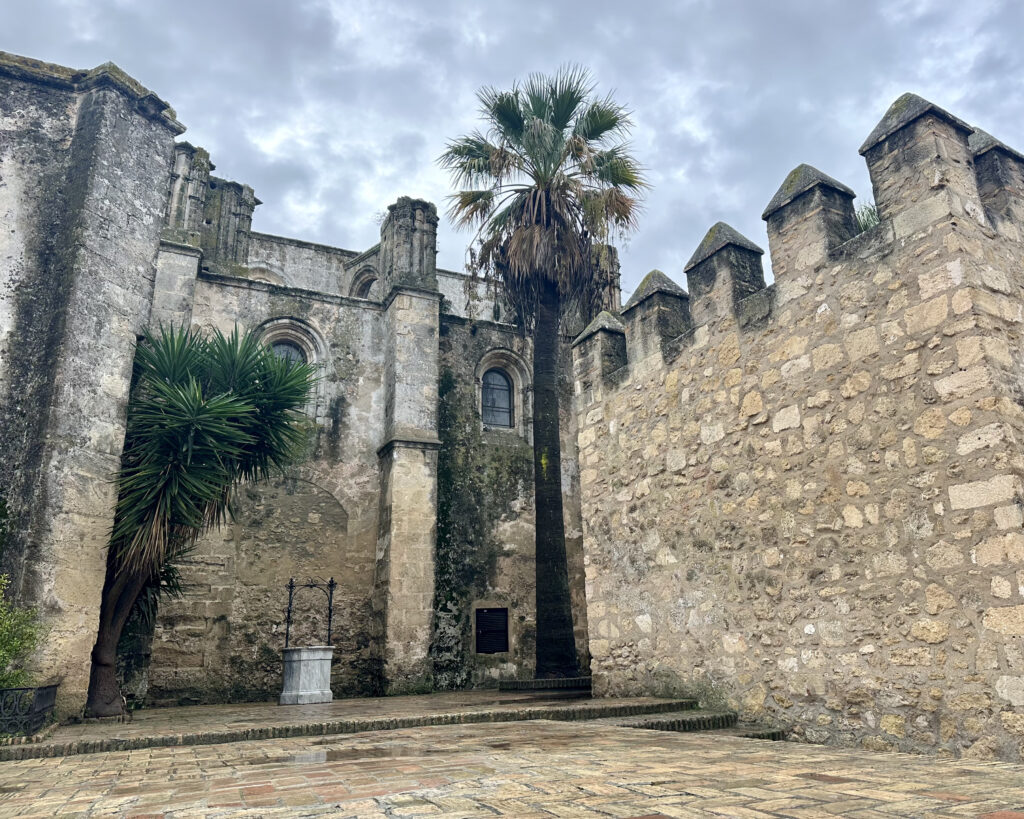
928 169
809 493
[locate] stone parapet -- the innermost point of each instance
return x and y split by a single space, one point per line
809 503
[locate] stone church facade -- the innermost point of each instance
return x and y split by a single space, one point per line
803 498
113 228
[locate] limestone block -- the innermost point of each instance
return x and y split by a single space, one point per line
949 274
999 549
908 365
962 384
862 343
827 356
931 423
981 438
927 315
999 489
752 404
1009 517
1011 689
1008 620
786 418
929 631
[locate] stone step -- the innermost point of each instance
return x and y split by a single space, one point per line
695 720
723 723
546 684
100 738
754 731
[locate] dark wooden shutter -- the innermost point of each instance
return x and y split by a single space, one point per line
491 631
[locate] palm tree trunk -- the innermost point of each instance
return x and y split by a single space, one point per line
120 589
556 644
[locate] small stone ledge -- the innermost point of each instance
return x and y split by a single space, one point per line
282 290
408 443
404 289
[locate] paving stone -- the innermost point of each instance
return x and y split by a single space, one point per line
518 769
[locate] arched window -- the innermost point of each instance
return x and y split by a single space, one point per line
363 290
496 404
289 351
363 284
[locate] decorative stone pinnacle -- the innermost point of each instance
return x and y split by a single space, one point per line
904 111
654 282
604 321
719 236
800 180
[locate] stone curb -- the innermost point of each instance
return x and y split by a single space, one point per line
579 711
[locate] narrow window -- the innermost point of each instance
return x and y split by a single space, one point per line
491 631
289 351
363 289
496 406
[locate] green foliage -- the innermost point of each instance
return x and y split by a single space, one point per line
550 179
19 635
867 216
205 415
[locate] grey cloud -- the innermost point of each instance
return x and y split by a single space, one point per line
332 108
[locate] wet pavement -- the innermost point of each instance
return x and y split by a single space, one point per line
519 769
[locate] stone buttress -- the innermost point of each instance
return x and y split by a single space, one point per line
82 164
404 585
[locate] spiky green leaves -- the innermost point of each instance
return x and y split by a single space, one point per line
204 415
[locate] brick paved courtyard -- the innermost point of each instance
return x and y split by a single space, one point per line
519 769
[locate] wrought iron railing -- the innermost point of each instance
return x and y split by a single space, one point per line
26 710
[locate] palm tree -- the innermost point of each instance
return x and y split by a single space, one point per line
204 415
550 180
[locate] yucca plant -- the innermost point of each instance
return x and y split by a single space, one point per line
204 415
549 180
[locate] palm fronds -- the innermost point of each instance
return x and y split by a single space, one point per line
549 178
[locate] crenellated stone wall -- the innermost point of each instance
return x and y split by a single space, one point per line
807 497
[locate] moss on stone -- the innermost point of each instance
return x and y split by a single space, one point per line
477 481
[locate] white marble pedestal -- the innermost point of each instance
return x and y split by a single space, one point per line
307 675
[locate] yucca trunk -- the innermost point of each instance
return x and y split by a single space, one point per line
556 644
120 590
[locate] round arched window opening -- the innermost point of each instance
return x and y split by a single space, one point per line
496 401
289 351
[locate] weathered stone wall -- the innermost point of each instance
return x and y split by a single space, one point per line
84 160
305 265
118 230
808 496
223 639
485 539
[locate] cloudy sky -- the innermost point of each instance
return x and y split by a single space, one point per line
331 109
